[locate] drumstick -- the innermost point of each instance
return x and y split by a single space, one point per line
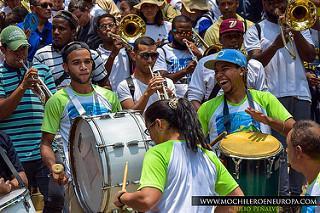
218 138
125 174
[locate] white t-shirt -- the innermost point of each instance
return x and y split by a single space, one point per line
203 79
120 68
285 76
96 11
123 91
172 61
158 32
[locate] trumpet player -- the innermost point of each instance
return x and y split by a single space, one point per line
21 111
285 75
140 90
177 59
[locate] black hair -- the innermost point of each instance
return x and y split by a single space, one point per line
34 2
180 18
180 115
68 16
144 40
132 3
72 46
82 5
159 19
106 15
306 134
17 15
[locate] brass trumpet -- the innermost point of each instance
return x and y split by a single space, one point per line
199 41
164 95
194 58
41 90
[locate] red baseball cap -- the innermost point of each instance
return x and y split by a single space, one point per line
231 25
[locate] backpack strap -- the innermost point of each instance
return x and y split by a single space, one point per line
131 86
257 25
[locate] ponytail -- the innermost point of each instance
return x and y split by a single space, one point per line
180 114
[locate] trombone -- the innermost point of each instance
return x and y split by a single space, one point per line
199 41
41 90
131 27
299 15
164 95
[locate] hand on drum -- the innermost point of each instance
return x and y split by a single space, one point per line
258 116
117 202
5 187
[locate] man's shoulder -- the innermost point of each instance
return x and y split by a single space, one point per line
47 50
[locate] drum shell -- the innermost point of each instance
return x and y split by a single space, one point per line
113 139
17 201
254 176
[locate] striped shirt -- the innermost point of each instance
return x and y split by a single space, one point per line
53 59
24 124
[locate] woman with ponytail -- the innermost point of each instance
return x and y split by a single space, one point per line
179 166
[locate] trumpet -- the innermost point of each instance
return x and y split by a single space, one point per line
41 90
194 58
164 95
198 40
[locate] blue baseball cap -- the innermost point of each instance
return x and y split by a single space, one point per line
228 55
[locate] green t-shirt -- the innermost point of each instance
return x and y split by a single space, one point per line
211 114
180 173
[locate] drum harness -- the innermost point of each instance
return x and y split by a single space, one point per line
15 174
227 126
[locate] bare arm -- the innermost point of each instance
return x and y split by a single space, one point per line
181 73
14 182
222 209
306 51
142 200
196 104
283 127
153 86
8 105
49 157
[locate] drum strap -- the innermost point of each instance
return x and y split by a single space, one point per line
226 114
75 101
11 167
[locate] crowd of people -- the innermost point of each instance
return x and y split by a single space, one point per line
223 66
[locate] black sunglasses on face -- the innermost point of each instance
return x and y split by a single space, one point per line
146 56
45 5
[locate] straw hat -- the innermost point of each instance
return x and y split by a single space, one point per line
159 3
191 5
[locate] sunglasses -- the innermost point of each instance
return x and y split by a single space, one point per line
183 33
45 5
146 56
104 27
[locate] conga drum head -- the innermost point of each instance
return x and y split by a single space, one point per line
250 145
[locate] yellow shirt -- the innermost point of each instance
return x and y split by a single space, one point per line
212 34
110 7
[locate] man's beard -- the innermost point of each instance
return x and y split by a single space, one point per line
78 80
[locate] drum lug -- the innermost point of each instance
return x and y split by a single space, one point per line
237 167
26 205
269 166
136 182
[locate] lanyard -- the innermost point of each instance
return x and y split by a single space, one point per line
226 113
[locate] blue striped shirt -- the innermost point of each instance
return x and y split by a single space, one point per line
24 124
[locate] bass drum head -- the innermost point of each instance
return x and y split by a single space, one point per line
98 152
86 168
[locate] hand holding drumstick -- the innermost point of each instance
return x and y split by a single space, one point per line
117 202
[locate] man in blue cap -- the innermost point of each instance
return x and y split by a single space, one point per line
239 108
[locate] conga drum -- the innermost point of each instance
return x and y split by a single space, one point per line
253 159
